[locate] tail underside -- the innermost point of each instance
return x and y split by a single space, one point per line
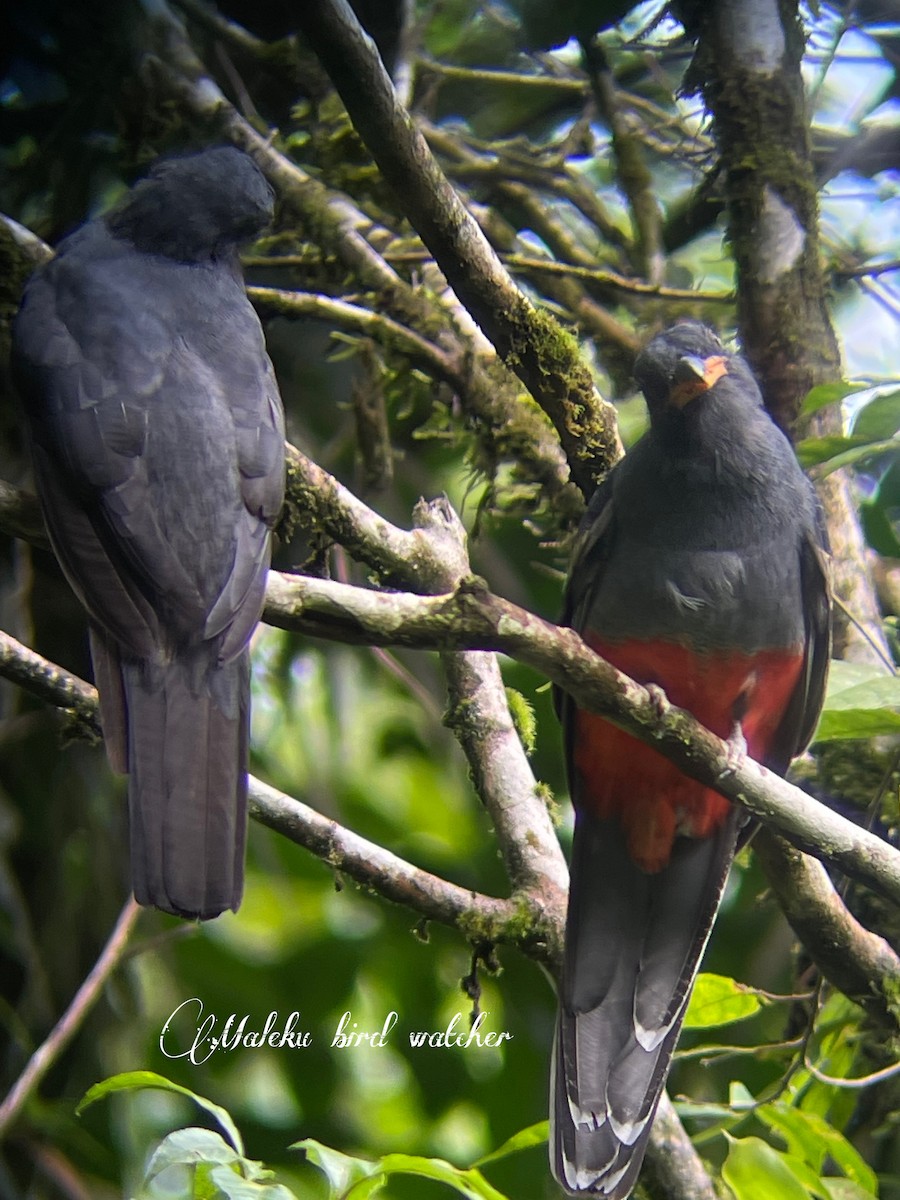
181 731
633 945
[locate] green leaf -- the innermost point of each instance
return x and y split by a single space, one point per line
212 1169
814 451
828 454
878 419
798 1131
366 1188
835 1049
754 1170
470 1183
740 1096
846 1189
358 1179
341 1170
857 723
810 1137
718 1000
860 702
878 530
187 1148
706 1111
533 1135
825 394
130 1081
235 1187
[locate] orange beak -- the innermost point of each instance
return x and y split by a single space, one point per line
693 376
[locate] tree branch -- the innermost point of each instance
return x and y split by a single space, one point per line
673 1167
479 716
518 205
631 168
470 617
544 357
428 558
429 355
50 683
630 287
20 515
748 68
72 1019
518 434
857 962
473 618
529 920
228 31
469 159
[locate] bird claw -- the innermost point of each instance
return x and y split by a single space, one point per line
736 752
658 699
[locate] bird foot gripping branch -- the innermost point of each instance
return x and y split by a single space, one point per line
699 574
658 699
737 751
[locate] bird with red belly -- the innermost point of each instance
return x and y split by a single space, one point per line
701 569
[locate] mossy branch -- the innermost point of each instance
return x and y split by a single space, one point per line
541 353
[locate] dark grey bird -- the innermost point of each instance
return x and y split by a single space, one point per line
701 568
157 434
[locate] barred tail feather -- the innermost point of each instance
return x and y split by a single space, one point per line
633 946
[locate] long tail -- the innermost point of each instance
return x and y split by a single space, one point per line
181 731
633 946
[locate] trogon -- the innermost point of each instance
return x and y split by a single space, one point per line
157 435
701 568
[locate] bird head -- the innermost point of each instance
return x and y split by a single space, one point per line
679 365
194 206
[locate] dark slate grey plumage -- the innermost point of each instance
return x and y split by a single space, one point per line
705 542
158 442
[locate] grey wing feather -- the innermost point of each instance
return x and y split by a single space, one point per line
88 417
815 573
799 722
260 451
591 547
94 392
260 442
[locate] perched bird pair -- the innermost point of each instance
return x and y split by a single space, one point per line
701 568
157 434
158 443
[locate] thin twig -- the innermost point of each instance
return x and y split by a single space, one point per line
631 168
868 269
230 32
635 287
480 75
71 1020
862 1081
